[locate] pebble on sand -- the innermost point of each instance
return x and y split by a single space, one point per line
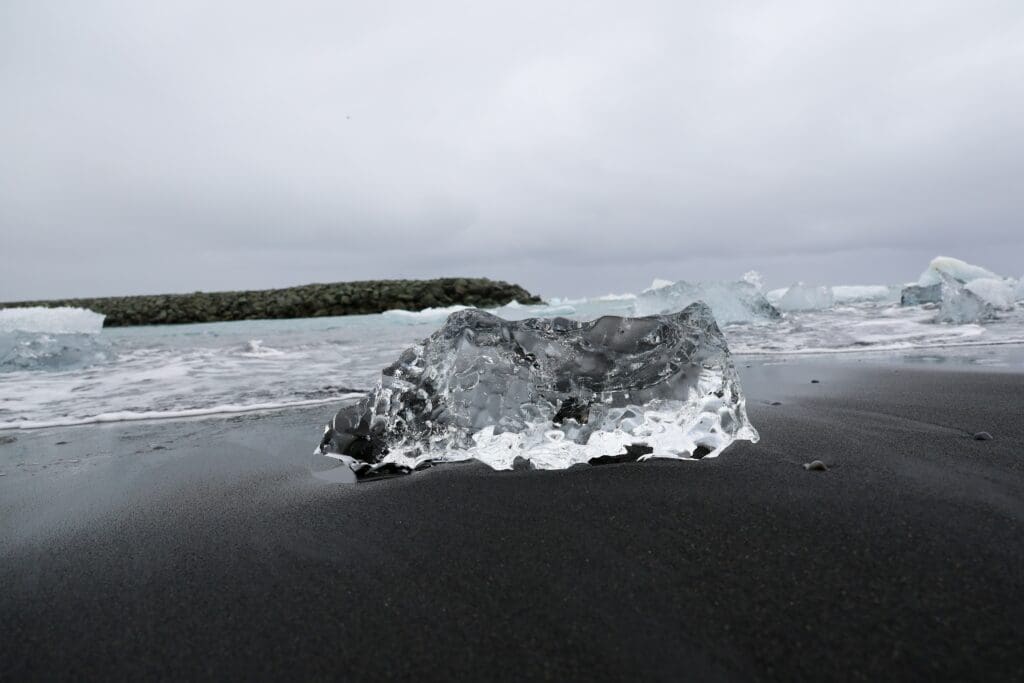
982 436
815 466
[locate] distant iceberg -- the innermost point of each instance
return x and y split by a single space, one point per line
62 320
965 293
996 292
961 271
801 297
731 302
918 295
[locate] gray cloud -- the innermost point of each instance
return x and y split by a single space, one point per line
576 149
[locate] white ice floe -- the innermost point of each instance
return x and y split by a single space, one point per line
960 271
996 292
64 320
960 305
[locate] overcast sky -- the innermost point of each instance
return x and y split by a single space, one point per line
574 148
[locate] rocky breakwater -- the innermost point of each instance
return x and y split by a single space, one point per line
305 301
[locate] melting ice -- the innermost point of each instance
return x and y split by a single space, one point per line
555 392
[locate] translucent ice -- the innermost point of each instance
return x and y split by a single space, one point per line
960 305
959 270
801 297
555 392
730 302
916 295
996 292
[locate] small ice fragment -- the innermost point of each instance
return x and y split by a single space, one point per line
982 436
815 466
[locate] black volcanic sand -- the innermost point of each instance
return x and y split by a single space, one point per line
208 549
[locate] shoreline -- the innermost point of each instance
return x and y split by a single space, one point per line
209 548
303 301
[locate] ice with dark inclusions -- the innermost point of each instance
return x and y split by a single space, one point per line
555 392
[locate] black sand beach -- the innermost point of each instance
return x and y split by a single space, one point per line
208 549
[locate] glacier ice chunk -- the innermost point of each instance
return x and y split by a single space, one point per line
916 295
960 271
555 392
801 297
996 292
960 305
730 302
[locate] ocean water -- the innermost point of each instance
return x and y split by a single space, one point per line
65 371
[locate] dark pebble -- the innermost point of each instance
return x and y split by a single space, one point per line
815 466
814 381
982 436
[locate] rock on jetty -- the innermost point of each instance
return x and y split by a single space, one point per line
304 301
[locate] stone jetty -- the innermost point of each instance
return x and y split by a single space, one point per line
304 301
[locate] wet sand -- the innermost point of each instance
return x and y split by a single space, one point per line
208 549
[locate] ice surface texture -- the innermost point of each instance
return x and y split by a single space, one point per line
960 305
916 295
801 297
555 392
961 271
730 302
996 292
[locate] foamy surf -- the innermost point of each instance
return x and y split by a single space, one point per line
146 415
61 367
